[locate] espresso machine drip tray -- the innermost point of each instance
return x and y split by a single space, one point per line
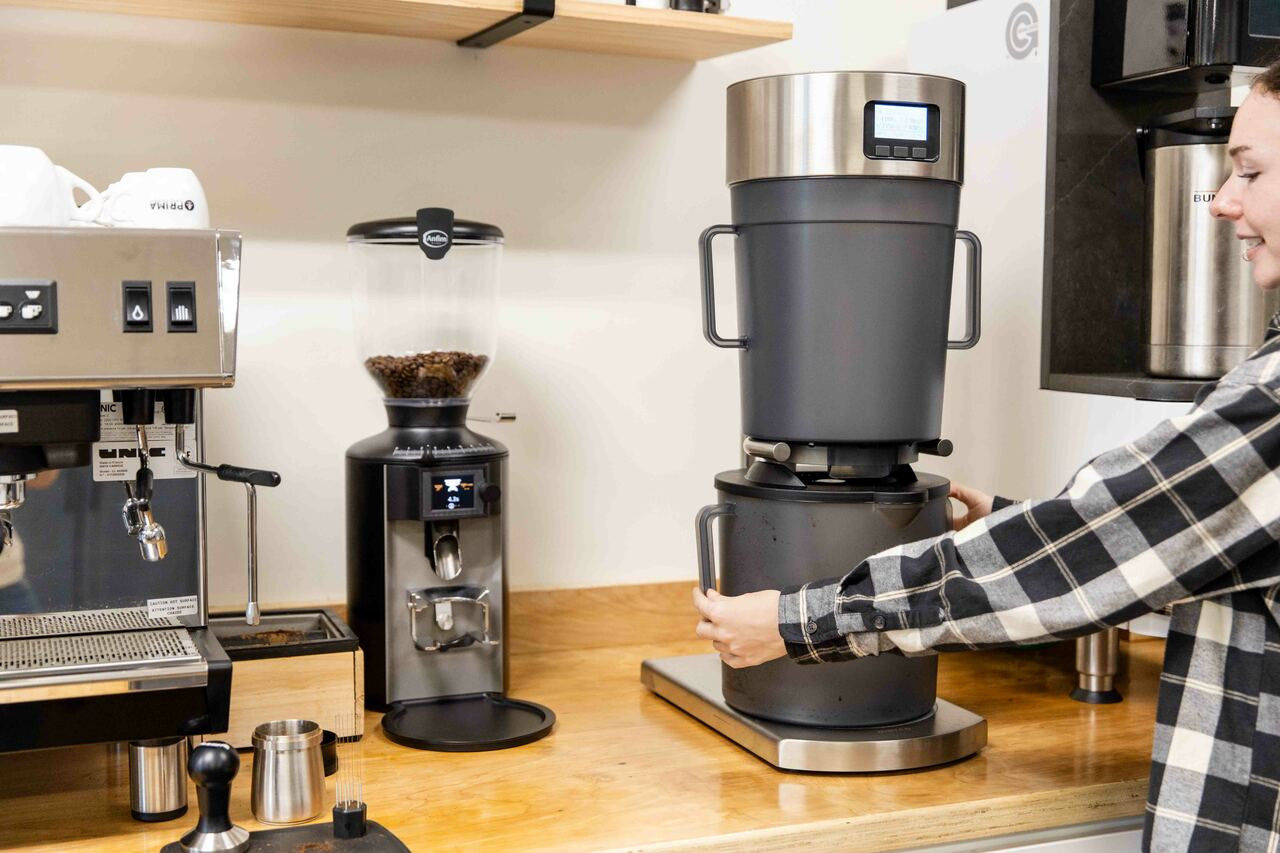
692 684
80 622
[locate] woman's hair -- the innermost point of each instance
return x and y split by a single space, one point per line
1268 82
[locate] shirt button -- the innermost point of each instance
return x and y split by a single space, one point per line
811 627
878 622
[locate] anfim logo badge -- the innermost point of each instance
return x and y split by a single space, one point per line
435 239
1022 32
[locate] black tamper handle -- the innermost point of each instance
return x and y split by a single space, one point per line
212 766
252 476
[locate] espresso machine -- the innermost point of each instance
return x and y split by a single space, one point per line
426 514
107 339
845 191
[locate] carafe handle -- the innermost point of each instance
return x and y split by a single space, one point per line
706 559
709 290
973 279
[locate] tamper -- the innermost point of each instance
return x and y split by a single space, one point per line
212 766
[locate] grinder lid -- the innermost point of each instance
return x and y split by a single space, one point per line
904 487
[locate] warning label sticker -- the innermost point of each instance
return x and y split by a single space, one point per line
8 420
182 605
115 455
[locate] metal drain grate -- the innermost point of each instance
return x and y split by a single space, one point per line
80 622
29 657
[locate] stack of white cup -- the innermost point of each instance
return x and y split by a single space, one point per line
36 192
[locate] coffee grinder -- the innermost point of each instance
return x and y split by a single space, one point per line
845 191
426 521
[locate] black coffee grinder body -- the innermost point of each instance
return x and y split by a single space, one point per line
426 509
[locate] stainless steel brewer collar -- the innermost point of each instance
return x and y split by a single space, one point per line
812 125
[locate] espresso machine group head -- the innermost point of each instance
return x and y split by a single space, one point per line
108 337
427 498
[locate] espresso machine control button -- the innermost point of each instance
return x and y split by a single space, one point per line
182 306
137 306
28 306
490 493
6 310
30 310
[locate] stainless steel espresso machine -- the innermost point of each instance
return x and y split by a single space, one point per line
107 337
845 193
426 508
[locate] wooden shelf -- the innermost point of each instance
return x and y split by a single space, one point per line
578 24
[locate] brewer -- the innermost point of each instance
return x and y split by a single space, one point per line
426 509
845 191
107 338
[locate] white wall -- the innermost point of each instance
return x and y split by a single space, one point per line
602 171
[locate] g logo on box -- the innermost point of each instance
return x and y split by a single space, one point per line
1022 32
435 239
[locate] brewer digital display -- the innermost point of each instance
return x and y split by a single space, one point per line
900 130
453 492
898 122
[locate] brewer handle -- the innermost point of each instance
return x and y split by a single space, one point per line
706 559
973 279
709 290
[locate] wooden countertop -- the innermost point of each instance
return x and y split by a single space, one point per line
624 769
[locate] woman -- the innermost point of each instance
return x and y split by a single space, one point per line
1187 515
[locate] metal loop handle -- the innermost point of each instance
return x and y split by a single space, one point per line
706 559
709 290
973 276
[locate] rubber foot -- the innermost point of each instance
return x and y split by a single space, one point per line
1097 697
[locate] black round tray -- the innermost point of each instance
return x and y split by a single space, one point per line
469 723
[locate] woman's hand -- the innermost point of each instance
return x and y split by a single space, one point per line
742 628
977 505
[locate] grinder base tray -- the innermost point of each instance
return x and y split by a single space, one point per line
692 684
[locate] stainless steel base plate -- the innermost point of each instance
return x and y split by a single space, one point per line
692 684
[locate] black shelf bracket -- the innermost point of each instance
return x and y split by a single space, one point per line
535 12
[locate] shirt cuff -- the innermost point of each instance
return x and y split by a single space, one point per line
807 623
998 503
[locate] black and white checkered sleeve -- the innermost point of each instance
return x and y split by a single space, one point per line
1141 526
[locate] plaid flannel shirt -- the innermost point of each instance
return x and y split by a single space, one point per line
1189 516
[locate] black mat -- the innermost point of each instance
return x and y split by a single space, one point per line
316 837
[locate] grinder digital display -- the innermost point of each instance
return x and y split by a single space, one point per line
901 130
453 492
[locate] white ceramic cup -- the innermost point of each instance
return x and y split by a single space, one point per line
156 198
35 192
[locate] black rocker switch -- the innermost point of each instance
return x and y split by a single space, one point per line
137 306
182 306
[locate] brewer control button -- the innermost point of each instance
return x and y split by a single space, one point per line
919 153
899 151
182 306
30 310
6 310
882 150
811 627
490 492
878 622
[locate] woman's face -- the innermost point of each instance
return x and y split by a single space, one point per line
1251 196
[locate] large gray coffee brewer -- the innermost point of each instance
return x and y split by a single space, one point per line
845 191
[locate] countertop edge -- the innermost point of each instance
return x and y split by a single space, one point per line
933 825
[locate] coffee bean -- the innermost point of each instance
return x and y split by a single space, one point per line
441 375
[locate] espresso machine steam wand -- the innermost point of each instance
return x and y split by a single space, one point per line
139 520
252 478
